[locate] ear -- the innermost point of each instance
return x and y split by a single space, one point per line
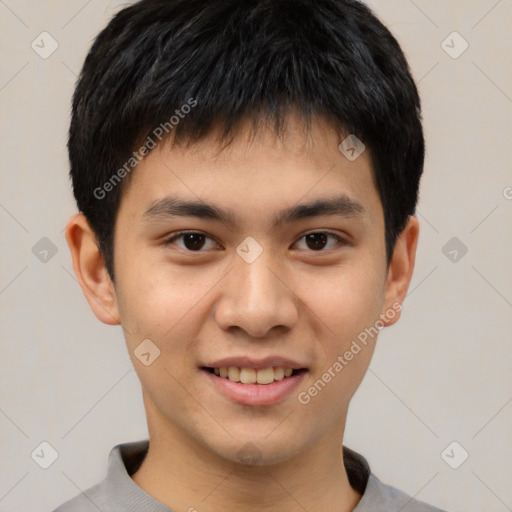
400 271
90 270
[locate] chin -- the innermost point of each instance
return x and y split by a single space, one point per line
257 450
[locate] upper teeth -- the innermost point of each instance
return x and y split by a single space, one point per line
252 376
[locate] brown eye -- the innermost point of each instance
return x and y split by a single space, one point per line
318 241
192 241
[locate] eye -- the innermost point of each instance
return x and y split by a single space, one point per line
318 241
192 241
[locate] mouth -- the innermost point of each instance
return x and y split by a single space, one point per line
264 376
254 386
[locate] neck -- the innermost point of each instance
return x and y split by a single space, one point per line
184 475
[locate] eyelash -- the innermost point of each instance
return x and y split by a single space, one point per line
171 240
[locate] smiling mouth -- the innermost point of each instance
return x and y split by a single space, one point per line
252 376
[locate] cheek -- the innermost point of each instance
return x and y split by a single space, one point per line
347 304
164 310
346 301
156 301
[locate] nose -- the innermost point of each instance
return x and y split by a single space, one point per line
257 298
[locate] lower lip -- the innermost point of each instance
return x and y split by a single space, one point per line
256 394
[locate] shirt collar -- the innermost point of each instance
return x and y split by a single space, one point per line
122 494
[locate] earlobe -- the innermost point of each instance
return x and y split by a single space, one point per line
90 270
400 271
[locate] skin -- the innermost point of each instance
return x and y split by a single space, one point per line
293 301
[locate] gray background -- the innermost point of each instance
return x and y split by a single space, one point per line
442 374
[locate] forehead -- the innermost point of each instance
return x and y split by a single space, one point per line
255 175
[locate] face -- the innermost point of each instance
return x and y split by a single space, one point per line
281 271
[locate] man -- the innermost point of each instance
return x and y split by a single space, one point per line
246 173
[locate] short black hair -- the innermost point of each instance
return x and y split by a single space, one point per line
229 59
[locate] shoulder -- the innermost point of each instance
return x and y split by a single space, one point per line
379 496
88 501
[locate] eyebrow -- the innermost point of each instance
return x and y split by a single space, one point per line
172 206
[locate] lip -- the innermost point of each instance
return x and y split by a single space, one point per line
255 394
256 364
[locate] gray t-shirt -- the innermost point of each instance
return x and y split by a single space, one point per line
119 493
